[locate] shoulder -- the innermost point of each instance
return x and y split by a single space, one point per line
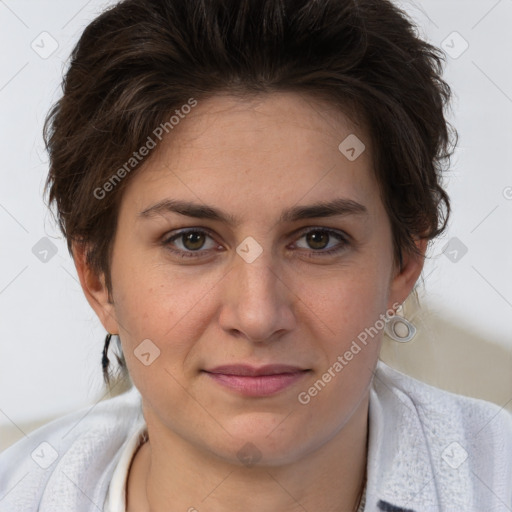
72 456
441 408
432 448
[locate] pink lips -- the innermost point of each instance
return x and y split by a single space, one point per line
251 381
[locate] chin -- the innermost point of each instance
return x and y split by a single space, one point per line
262 439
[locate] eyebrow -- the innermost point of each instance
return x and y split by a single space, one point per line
336 207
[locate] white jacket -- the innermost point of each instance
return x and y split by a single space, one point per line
428 451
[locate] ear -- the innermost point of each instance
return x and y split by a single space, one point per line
95 290
405 278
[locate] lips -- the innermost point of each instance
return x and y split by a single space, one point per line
256 381
251 371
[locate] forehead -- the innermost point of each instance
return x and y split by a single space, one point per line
264 121
278 147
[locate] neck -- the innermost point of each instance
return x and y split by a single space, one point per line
331 477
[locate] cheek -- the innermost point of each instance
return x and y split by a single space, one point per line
351 312
349 301
155 303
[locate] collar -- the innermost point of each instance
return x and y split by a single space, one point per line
429 448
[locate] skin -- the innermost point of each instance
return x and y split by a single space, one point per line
252 158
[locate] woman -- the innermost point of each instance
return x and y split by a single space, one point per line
248 190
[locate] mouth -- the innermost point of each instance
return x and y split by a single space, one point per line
256 381
246 370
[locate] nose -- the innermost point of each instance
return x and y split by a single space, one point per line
257 300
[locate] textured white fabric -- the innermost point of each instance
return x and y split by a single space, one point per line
429 451
435 451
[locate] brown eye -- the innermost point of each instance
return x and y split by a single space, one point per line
189 243
320 242
317 239
193 240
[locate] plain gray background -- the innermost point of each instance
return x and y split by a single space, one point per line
51 340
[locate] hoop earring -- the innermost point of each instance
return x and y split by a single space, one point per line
399 329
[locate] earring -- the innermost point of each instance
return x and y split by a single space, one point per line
399 329
104 359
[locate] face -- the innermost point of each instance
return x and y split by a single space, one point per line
267 280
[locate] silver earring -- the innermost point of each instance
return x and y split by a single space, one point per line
399 329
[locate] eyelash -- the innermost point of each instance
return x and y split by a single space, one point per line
197 254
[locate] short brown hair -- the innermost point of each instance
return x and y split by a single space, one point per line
142 60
